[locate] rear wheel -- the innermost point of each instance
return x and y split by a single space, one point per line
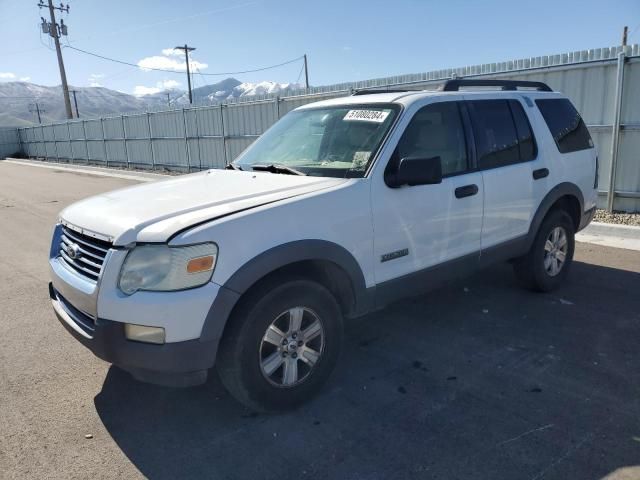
281 345
547 263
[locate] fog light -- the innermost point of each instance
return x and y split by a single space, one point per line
140 333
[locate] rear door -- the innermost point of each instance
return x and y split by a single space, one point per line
514 178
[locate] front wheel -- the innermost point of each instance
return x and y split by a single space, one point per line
547 263
281 345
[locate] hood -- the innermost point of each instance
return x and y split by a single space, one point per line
153 212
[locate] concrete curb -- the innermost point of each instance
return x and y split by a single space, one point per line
92 170
611 235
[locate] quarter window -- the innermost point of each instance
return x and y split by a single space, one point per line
526 142
436 131
566 126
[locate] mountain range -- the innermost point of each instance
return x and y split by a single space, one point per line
18 99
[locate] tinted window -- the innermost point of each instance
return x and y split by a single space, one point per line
566 126
436 131
526 142
495 133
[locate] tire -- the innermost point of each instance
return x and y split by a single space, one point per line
259 373
545 266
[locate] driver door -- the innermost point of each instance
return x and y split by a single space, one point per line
417 228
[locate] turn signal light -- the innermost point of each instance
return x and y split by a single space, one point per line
200 264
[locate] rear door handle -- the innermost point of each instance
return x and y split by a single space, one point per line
540 173
466 191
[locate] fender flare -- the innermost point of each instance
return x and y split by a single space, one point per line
557 192
270 261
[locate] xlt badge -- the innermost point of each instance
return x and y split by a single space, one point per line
393 255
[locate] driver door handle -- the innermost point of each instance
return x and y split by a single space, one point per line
466 191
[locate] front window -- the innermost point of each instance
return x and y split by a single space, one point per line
326 142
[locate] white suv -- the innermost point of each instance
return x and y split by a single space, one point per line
340 208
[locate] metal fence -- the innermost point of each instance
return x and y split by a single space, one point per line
9 142
603 83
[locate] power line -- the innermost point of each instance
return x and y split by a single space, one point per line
46 97
139 27
217 74
300 74
145 26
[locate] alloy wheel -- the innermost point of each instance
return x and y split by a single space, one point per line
555 251
291 347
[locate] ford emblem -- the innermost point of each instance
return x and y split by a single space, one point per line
73 251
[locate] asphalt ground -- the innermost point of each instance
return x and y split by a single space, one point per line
478 380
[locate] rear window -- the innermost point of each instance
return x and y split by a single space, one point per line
565 124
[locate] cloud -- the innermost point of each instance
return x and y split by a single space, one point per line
141 90
94 79
169 84
172 52
7 76
347 48
25 79
166 62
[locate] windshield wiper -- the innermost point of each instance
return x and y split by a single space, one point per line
231 166
273 168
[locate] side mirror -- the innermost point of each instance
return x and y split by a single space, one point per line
416 171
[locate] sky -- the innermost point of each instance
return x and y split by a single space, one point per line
345 40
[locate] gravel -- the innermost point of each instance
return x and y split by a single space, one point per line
620 218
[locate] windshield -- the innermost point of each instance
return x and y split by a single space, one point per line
326 142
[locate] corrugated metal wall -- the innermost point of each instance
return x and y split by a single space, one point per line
9 142
211 136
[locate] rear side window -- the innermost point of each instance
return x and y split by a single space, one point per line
566 126
495 133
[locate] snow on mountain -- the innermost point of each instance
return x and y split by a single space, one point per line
262 88
17 99
232 88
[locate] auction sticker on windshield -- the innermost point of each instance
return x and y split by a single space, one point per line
376 116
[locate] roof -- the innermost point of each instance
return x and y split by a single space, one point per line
410 96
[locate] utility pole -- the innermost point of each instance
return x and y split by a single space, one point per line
625 31
55 30
187 49
168 99
306 72
75 102
37 110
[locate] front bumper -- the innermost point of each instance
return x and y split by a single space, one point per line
177 364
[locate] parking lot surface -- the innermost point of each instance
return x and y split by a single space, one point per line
478 380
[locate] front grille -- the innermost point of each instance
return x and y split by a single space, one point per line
82 253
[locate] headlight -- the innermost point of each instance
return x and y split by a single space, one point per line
163 268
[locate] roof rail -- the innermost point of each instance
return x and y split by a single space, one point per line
455 84
368 91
